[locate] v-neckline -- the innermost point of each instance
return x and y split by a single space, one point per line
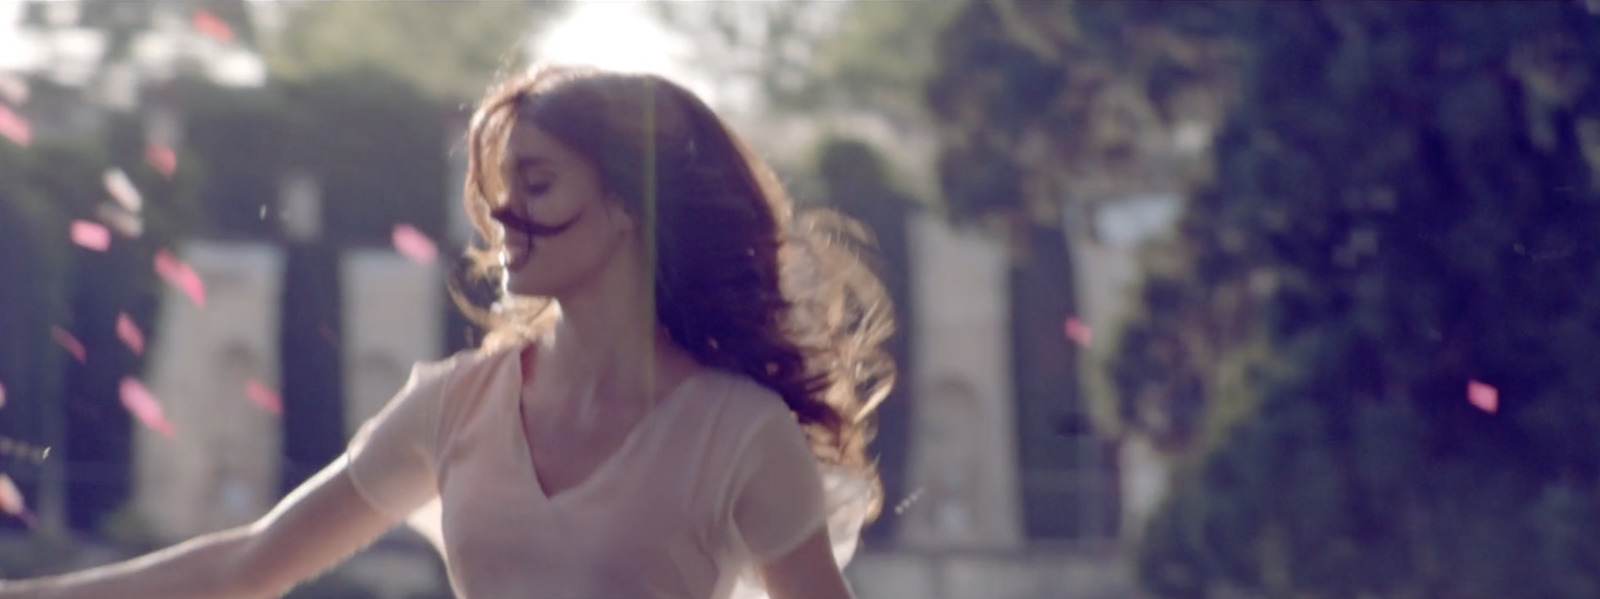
524 443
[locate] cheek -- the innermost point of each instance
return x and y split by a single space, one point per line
582 249
593 239
567 200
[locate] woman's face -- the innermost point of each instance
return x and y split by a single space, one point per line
560 227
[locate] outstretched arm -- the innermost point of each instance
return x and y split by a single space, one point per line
322 522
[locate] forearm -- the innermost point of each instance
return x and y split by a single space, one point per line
207 567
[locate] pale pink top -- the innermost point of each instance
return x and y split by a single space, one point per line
717 478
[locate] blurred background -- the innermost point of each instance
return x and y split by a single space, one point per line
1196 299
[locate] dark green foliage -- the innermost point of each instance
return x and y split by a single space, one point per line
447 49
1401 206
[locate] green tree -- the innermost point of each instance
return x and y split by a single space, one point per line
1405 207
798 73
1050 114
818 57
450 49
1053 108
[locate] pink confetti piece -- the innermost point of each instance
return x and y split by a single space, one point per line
69 343
14 127
263 396
161 158
11 501
13 89
122 190
91 236
2 395
1078 331
1483 396
143 405
182 276
120 220
128 331
10 497
412 244
212 26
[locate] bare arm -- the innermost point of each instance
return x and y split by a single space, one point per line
807 572
320 523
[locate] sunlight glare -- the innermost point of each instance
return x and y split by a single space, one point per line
618 36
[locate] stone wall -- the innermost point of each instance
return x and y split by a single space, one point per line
393 316
963 458
220 468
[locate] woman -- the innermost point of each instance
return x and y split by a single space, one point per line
673 364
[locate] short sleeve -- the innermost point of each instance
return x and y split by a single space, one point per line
777 497
391 457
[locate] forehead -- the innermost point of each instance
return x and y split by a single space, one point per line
526 145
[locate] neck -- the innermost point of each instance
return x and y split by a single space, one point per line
608 340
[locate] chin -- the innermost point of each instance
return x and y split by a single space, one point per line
518 279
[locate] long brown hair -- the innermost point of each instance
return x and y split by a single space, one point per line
741 281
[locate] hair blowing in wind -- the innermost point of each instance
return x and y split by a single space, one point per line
742 281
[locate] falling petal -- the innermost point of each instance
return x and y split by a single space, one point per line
14 127
128 331
1483 396
11 498
13 89
212 26
161 158
263 396
120 220
412 244
122 190
69 343
91 236
143 405
182 276
1078 331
